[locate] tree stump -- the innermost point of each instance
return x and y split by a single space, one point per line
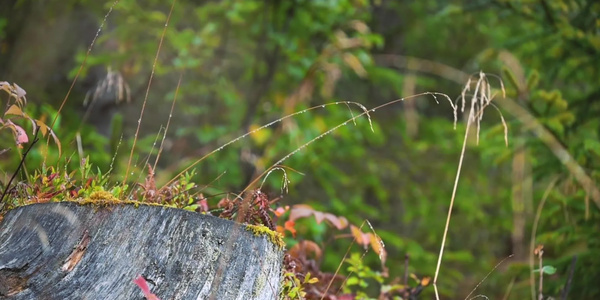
71 251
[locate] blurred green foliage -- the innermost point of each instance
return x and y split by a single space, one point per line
246 63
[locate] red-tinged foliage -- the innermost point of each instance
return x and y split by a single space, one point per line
290 226
281 210
15 110
46 187
303 211
255 209
202 204
150 193
19 133
140 281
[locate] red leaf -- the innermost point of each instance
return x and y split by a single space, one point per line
319 216
203 204
20 134
339 222
141 282
281 210
300 211
289 226
303 211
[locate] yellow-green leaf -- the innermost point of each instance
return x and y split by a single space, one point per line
14 110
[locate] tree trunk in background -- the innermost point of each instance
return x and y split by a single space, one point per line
70 251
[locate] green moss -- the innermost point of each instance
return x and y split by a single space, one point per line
104 198
273 236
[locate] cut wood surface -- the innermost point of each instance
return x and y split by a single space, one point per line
71 251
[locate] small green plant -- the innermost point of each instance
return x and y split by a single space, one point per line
294 287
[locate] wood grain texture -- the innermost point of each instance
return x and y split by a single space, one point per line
68 251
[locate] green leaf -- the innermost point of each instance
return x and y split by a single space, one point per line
352 281
510 76
592 145
548 270
533 80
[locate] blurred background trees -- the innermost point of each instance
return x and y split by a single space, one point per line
246 63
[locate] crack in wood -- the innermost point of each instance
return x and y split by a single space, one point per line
77 253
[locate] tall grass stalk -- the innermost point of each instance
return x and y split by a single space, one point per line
137 131
480 99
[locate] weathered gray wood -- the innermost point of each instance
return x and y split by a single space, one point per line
68 251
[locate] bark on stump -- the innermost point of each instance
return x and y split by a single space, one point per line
69 251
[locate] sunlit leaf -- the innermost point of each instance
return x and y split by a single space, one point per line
425 281
377 246
42 126
352 281
289 226
14 110
361 238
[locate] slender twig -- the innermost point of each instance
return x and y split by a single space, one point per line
540 254
565 292
454 189
365 112
137 131
488 274
509 288
406 261
160 148
7 187
337 270
534 232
